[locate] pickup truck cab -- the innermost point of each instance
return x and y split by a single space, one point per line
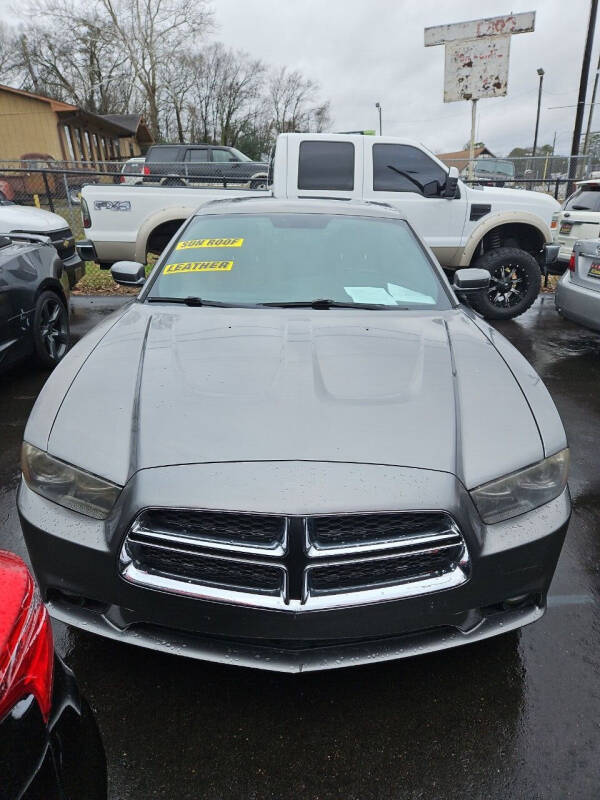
505 231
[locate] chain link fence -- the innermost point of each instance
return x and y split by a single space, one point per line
547 173
56 185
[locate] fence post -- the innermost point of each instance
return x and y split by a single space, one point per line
556 189
67 192
48 192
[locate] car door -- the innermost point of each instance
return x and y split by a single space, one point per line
405 176
19 277
6 306
197 164
226 163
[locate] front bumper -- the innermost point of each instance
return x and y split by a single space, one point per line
76 563
577 303
75 269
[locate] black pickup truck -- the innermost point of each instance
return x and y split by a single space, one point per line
188 164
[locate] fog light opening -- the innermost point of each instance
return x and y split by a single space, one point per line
520 601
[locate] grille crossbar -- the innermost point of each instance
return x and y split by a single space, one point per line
295 563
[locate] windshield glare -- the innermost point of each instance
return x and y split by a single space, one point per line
286 258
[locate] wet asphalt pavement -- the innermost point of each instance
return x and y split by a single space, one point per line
513 717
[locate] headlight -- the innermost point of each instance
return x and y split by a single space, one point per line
524 490
67 485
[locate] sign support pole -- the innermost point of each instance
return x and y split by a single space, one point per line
470 170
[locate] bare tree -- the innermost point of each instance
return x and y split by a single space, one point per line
120 56
10 60
86 69
292 97
148 30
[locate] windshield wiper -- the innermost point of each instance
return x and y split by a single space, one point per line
194 301
325 304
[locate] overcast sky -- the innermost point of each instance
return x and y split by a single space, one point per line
363 51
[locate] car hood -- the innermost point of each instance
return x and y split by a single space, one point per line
32 220
178 385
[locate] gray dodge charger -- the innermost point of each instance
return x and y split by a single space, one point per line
296 450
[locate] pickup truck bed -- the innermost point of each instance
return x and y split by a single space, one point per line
135 220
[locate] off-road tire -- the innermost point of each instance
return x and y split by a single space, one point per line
50 329
515 283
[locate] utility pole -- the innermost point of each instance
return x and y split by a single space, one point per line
471 167
586 142
378 107
540 72
585 68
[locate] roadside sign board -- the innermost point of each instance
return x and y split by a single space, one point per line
476 68
478 54
478 28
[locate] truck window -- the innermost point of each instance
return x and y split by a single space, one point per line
391 160
158 154
223 156
326 165
197 154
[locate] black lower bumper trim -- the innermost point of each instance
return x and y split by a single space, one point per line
299 659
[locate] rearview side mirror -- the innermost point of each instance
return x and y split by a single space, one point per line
451 183
471 280
129 273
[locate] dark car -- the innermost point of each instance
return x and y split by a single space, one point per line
50 746
290 466
184 164
34 296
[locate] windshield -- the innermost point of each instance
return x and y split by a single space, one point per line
492 165
585 199
251 259
239 154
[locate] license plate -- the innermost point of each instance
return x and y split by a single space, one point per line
594 271
566 227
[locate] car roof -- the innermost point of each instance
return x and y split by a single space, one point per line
302 205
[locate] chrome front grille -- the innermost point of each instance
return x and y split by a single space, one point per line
295 563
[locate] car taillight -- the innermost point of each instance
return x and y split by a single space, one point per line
572 263
146 170
122 179
26 647
85 214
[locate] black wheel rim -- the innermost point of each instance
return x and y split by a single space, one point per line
509 284
54 331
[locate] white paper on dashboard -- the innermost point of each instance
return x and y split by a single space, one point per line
369 294
403 295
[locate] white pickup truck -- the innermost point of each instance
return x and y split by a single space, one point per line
506 231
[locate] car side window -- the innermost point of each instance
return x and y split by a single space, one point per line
326 165
223 156
197 154
403 168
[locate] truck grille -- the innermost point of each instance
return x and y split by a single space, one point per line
294 563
